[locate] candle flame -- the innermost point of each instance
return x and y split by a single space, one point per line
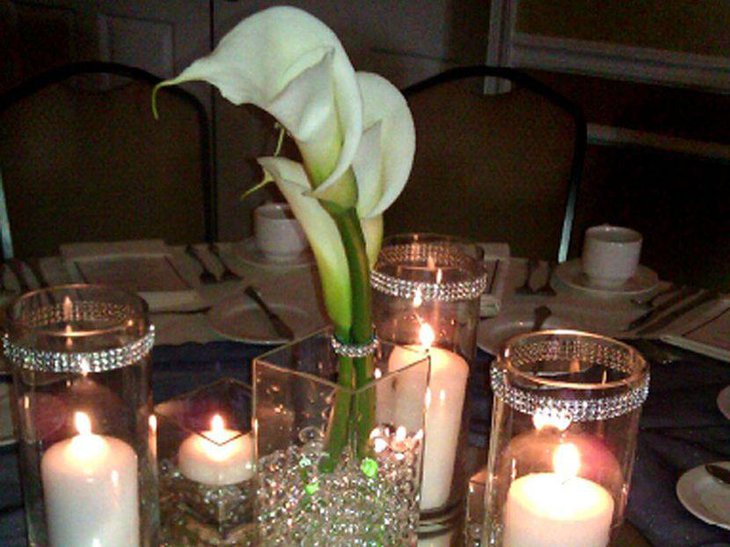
82 423
430 263
217 424
566 461
439 276
152 422
426 335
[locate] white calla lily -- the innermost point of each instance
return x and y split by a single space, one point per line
290 64
385 156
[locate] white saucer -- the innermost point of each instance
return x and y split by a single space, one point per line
492 333
240 319
6 421
723 402
250 253
704 496
571 273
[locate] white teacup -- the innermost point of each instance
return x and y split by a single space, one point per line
610 255
278 233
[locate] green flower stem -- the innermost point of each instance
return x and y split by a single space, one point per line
361 331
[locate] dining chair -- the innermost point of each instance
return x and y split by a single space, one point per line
502 167
83 159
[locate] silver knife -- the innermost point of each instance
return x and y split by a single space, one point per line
644 318
674 314
281 328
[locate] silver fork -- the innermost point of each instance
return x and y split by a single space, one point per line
525 287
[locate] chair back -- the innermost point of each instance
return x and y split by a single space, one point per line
83 159
500 167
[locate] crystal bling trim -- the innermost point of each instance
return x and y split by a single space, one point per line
80 362
354 350
440 254
577 410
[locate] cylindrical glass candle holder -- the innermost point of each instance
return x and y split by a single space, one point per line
564 427
80 356
205 449
426 290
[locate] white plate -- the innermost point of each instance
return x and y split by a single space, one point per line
704 496
242 320
571 273
495 331
723 402
248 252
6 421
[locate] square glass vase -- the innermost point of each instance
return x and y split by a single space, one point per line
206 454
336 462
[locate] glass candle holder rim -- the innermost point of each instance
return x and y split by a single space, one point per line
15 319
70 359
201 434
442 291
532 401
261 361
634 376
159 414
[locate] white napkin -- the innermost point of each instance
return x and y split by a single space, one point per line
705 331
496 262
148 267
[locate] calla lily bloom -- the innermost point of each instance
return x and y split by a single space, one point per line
354 131
357 140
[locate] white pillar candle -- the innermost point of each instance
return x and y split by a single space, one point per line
90 490
444 405
217 457
557 509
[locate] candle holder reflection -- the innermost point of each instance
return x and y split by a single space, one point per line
206 466
564 426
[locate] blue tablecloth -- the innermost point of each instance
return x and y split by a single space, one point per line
681 427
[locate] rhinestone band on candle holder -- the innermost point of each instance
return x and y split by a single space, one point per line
81 362
441 254
354 350
576 410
